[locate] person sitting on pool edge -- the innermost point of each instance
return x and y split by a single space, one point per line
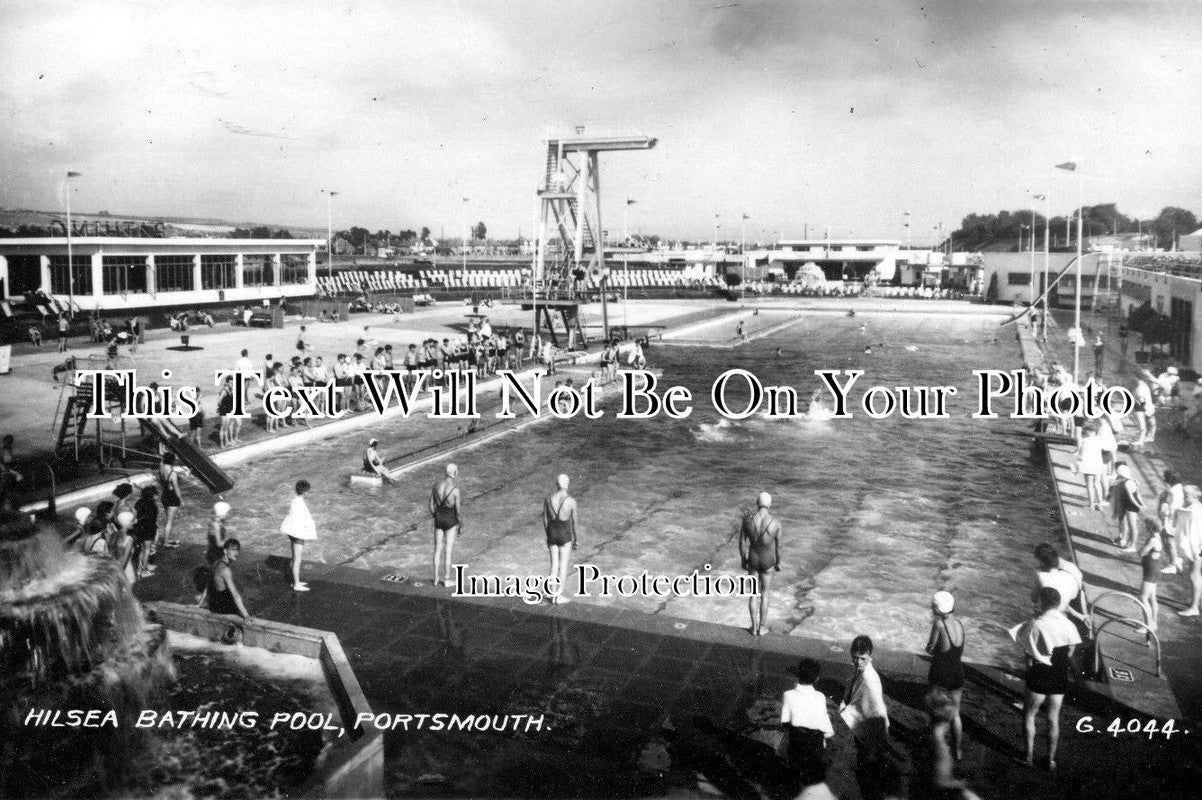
222 593
373 464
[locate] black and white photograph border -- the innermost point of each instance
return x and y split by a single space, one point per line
840 442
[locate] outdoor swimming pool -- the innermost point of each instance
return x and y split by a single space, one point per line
877 514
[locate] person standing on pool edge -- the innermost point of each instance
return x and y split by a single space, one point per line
444 507
299 527
759 553
864 712
559 524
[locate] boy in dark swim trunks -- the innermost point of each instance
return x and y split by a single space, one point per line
759 552
444 507
559 524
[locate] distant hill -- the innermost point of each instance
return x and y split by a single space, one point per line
13 219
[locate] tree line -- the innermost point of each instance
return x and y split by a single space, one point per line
1002 230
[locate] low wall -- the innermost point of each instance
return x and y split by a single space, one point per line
355 767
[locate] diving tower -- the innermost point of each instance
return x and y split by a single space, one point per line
569 252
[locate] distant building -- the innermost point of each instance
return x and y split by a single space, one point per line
1191 242
123 274
845 259
1016 281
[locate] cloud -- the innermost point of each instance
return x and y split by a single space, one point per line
406 107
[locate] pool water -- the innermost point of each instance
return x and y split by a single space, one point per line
877 514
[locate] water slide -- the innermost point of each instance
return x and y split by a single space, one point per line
188 454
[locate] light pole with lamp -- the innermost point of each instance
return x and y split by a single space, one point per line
743 253
330 229
1071 166
463 268
70 253
1047 256
626 262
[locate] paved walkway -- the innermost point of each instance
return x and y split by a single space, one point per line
1179 691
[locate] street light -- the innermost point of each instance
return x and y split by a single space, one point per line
1071 166
1047 234
70 254
743 253
716 227
463 269
330 229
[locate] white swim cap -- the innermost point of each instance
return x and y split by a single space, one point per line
562 481
125 519
221 508
452 470
764 500
943 602
82 513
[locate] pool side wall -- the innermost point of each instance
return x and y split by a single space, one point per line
355 767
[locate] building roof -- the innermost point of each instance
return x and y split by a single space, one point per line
839 242
149 241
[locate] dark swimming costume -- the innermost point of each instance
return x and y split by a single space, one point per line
559 531
221 601
445 517
761 555
170 498
947 670
1150 564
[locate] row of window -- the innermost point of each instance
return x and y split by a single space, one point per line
1068 281
174 273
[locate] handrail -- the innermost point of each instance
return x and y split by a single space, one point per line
1090 608
1097 649
51 501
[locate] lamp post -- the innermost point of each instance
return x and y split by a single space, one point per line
626 263
1072 166
70 253
1047 234
330 230
716 227
463 268
743 253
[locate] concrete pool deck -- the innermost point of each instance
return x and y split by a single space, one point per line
613 685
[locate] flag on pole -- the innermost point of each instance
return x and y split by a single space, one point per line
71 174
1040 196
630 202
746 217
1071 166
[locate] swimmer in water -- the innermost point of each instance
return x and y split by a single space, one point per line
863 329
851 312
868 350
444 507
759 551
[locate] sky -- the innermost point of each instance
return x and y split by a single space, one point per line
800 115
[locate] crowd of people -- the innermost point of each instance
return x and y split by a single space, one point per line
483 351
